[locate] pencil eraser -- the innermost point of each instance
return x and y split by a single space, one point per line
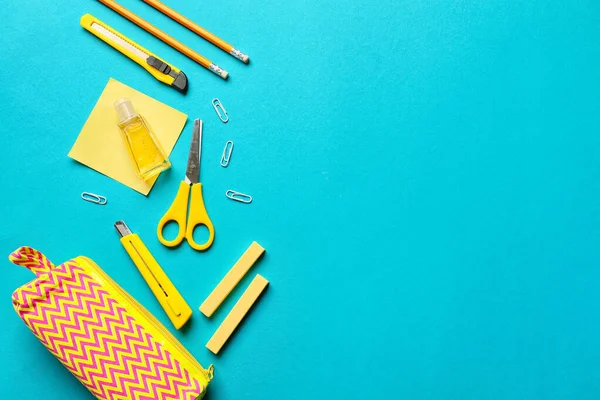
224 74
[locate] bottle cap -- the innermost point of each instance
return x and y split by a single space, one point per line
124 109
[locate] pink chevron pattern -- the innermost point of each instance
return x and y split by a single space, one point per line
95 337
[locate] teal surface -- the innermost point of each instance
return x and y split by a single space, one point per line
425 178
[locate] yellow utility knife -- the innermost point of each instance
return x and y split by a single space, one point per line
162 71
169 298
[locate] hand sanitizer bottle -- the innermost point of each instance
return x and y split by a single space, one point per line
146 152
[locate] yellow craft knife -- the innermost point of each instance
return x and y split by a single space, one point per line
159 69
169 298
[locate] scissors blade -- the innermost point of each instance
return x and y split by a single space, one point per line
192 174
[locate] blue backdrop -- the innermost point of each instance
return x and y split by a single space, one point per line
425 178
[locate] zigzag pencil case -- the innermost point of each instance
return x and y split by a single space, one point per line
108 341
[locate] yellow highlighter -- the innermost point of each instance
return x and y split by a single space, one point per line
162 71
177 309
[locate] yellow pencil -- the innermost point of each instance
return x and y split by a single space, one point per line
220 43
116 7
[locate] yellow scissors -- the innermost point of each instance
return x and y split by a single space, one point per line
179 209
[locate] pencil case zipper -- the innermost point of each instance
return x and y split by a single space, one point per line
95 269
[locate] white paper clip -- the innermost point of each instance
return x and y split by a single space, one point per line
216 105
93 198
227 154
237 196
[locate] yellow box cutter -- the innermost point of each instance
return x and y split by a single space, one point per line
177 309
162 71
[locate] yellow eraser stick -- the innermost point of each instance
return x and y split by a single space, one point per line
237 313
233 277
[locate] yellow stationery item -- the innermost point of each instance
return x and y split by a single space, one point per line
198 30
102 335
100 146
178 212
233 277
237 313
167 295
125 13
162 71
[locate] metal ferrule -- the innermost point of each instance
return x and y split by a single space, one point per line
239 55
219 71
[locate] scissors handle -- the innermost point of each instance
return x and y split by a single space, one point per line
176 213
198 216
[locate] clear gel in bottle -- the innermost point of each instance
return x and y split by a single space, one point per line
146 152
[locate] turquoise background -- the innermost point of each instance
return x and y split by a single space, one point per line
425 181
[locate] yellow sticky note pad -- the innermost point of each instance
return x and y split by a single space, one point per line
101 147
